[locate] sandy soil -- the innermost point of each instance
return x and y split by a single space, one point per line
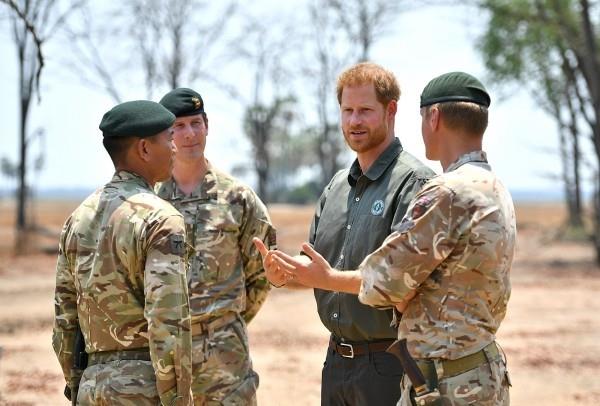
550 335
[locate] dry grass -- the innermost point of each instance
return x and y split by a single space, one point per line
550 333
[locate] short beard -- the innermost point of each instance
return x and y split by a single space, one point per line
376 137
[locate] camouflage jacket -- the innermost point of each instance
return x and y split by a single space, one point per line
225 270
121 276
454 248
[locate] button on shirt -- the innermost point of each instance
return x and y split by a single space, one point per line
355 214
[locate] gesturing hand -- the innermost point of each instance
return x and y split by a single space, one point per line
312 270
275 274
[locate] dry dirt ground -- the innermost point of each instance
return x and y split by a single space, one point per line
551 333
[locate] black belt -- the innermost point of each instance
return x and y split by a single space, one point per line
102 357
351 350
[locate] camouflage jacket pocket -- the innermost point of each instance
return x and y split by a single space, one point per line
216 243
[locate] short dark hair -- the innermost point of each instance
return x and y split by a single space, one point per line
117 147
469 117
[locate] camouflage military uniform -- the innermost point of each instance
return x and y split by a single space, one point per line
227 284
455 248
121 276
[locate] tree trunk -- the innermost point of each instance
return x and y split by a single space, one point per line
596 215
575 218
262 186
25 92
22 168
21 226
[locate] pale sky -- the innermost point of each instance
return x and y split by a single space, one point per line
424 44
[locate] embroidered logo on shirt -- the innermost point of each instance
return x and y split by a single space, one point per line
377 208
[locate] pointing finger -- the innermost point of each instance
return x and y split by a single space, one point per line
260 246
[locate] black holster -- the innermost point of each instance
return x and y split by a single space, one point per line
425 389
80 361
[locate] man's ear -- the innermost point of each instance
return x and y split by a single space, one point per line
434 118
392 108
142 148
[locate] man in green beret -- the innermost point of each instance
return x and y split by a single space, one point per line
227 283
120 278
447 266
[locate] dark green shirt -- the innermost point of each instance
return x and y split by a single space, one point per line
355 213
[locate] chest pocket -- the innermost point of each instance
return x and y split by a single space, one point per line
366 241
215 234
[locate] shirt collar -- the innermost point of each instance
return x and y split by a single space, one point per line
476 157
131 177
378 167
203 190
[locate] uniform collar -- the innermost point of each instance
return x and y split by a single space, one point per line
130 177
478 157
379 166
204 189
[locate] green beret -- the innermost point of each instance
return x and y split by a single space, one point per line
455 86
139 118
183 102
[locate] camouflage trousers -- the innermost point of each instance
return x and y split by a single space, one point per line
486 385
222 368
121 382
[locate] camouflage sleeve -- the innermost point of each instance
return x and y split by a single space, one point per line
425 237
167 310
65 307
256 223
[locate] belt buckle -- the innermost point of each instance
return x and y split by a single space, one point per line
351 350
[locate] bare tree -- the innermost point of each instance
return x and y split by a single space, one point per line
175 42
264 124
329 54
33 24
28 25
336 27
262 47
364 21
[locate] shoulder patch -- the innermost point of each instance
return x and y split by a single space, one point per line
177 243
432 196
421 206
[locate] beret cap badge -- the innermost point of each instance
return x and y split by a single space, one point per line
197 102
183 102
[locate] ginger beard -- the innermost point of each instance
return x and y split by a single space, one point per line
361 138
